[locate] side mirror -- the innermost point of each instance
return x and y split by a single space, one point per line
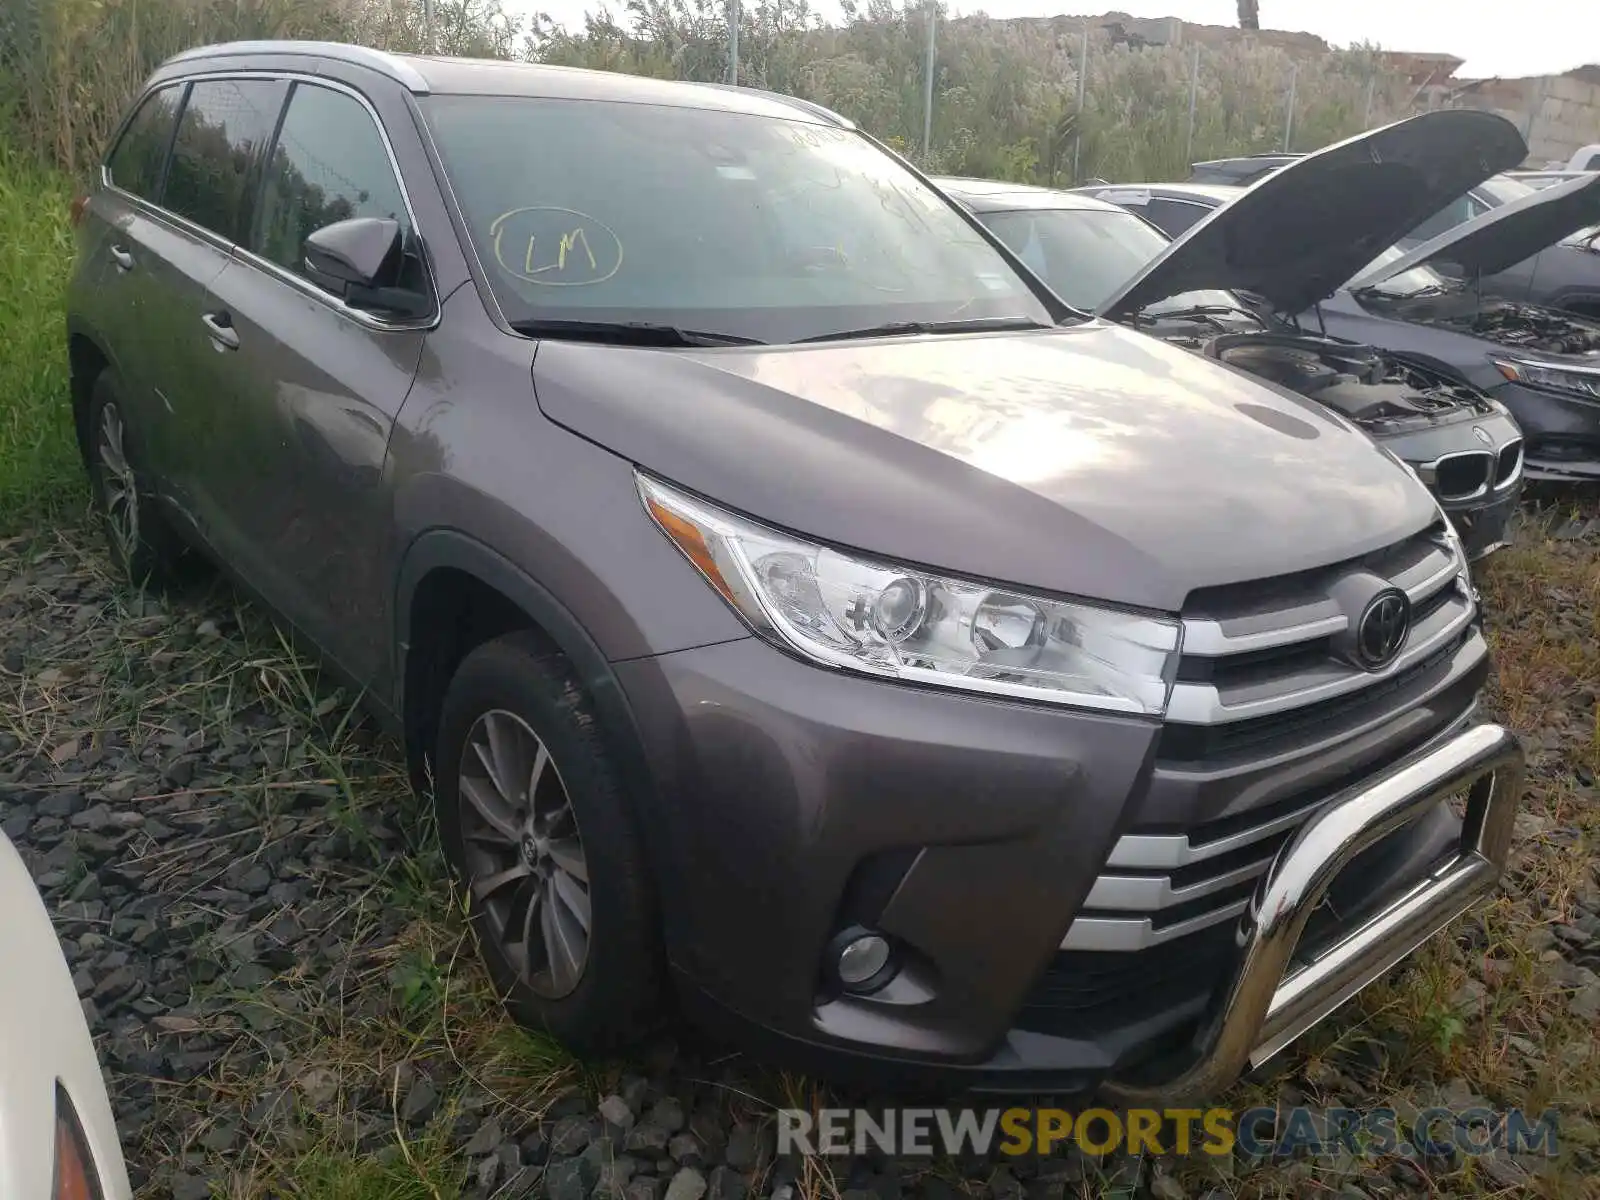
360 261
363 251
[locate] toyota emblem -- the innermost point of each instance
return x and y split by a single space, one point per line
1382 629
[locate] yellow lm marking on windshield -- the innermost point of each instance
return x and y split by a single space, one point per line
569 241
585 251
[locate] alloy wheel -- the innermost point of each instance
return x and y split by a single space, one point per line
523 853
121 490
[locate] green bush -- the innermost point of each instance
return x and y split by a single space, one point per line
39 469
69 67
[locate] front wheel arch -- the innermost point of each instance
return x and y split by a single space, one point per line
86 361
449 567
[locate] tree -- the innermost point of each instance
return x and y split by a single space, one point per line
1249 14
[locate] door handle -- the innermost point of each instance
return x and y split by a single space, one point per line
220 327
122 258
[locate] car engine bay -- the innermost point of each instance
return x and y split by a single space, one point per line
1528 328
1374 389
1519 326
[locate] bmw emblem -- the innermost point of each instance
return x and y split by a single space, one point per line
1482 434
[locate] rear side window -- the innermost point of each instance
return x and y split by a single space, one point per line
136 161
329 164
224 127
1175 217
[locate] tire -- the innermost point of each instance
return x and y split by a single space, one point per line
142 543
510 698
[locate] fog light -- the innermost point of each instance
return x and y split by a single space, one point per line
862 960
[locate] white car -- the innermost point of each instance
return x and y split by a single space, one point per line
58 1140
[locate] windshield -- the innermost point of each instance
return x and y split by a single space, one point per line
745 226
1087 255
1411 282
1498 190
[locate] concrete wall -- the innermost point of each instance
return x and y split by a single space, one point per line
1567 118
1558 114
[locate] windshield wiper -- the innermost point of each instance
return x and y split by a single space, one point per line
633 333
1425 291
1196 311
895 328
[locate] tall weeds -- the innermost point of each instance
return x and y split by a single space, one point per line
69 67
1005 92
37 465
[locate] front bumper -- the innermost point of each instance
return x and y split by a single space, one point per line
794 801
1482 524
1475 468
1563 433
1266 1005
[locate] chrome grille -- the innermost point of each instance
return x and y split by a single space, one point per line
1225 676
1259 664
1463 476
1509 464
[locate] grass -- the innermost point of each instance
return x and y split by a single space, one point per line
402 996
39 468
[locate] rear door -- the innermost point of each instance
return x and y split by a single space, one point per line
143 269
308 391
210 178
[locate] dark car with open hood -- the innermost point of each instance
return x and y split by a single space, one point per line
1563 273
1425 305
792 606
1221 289
1543 363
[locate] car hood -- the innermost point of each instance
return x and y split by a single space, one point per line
1302 231
1504 236
1086 461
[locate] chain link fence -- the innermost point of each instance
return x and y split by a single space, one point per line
1053 100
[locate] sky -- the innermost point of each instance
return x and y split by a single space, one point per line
1529 37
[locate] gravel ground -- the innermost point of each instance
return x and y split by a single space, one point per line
254 909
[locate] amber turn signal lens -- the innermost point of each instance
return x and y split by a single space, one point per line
692 542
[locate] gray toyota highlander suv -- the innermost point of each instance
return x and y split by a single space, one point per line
793 608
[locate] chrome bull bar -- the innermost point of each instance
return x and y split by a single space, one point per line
1264 1005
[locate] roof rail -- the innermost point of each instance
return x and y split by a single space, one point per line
816 110
393 66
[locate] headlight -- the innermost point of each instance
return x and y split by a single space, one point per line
75 1176
1552 378
848 611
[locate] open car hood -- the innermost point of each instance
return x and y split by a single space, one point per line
1504 236
1297 235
